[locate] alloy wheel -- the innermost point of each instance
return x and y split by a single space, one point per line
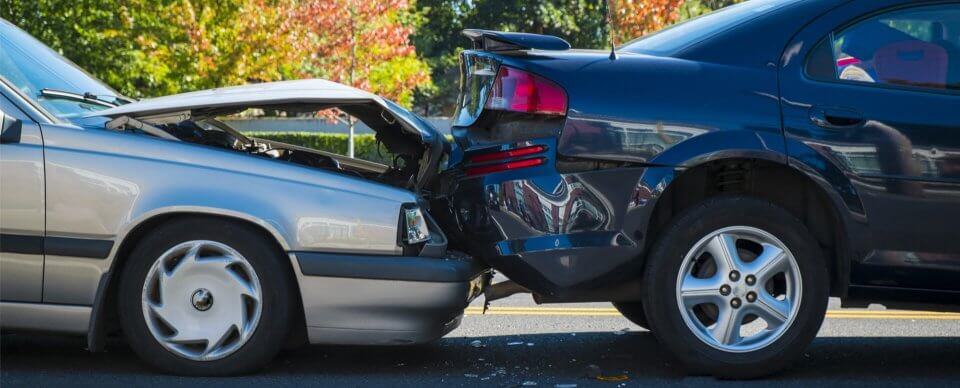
739 289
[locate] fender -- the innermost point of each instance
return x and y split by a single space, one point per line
96 333
846 204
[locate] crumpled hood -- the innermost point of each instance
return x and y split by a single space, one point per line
268 93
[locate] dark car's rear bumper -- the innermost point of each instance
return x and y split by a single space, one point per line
385 300
560 234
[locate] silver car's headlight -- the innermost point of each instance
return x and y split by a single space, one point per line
415 226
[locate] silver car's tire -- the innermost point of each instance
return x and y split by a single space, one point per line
735 287
204 296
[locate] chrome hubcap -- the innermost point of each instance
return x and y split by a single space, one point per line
739 289
178 300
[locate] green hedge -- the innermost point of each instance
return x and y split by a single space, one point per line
365 146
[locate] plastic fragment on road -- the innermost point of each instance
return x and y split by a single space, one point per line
564 386
515 343
594 372
622 331
476 343
613 378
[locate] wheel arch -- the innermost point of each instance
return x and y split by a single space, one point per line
104 309
800 191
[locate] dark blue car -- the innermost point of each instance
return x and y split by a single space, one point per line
720 179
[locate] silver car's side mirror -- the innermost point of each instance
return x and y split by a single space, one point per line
11 129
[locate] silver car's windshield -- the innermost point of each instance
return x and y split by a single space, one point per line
31 67
682 35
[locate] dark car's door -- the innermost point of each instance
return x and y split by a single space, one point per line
874 87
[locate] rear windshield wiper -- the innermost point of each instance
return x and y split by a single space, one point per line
85 97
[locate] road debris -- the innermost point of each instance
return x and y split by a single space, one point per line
515 343
564 386
477 344
622 331
470 375
613 378
529 383
594 372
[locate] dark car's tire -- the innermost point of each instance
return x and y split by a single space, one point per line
680 264
634 312
239 292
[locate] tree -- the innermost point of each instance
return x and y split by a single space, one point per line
694 8
364 44
581 22
147 48
630 19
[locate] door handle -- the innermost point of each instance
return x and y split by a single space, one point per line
835 117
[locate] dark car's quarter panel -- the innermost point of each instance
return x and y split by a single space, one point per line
560 229
615 105
897 169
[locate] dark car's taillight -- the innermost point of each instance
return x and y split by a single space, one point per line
520 91
505 160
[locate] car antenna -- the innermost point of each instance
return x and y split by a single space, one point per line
613 43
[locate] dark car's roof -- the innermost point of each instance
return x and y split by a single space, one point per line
744 29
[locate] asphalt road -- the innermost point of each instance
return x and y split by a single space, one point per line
521 343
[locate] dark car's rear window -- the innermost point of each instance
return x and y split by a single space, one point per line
680 36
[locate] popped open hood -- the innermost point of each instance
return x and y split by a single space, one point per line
308 91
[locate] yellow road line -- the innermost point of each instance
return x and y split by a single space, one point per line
607 312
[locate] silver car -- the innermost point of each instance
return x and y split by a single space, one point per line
209 250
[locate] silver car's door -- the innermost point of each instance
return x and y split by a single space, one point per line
22 202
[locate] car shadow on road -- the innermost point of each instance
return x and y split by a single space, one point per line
547 359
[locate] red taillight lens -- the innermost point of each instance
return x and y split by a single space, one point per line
520 91
480 170
507 154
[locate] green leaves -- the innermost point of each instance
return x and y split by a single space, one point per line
148 48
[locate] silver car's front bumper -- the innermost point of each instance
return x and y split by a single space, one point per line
385 300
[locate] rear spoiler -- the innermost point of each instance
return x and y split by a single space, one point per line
508 41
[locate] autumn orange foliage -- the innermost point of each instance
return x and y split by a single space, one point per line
365 44
630 19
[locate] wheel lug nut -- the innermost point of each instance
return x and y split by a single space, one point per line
735 303
724 290
751 297
734 275
751 280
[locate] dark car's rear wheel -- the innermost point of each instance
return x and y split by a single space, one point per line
204 296
735 287
634 312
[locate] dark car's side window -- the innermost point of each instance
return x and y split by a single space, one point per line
917 47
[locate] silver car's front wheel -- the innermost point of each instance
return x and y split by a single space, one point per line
739 289
201 300
207 296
